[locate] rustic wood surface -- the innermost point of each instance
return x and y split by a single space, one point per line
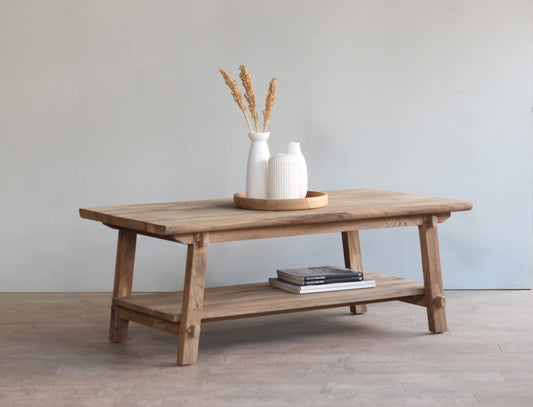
251 300
291 229
351 247
192 302
118 327
198 223
429 245
216 215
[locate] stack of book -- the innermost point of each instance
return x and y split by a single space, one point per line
320 279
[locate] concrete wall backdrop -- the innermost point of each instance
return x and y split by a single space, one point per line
118 102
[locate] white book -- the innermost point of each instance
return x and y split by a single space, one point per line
319 288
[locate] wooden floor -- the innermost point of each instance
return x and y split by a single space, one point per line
54 352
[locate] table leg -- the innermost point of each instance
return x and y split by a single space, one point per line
352 260
429 244
192 303
127 239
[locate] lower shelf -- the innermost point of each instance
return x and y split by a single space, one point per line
251 300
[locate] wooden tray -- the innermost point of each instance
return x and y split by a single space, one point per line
313 200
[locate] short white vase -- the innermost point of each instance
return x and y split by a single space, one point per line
257 168
283 177
295 150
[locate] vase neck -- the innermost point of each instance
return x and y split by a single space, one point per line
294 148
259 136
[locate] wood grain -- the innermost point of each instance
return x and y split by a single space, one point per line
220 215
429 245
251 300
197 223
149 320
353 260
305 229
118 327
192 302
352 250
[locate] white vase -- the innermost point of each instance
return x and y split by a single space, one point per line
283 177
257 168
295 150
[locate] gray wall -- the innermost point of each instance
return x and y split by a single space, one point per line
117 102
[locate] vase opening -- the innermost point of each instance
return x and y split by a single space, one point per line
259 136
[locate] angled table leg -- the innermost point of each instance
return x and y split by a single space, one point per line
193 300
435 301
127 239
352 260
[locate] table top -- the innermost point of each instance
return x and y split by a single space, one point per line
220 214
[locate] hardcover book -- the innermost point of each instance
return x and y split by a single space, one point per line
318 288
319 275
322 281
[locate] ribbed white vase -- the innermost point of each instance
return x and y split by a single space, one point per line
257 168
295 150
283 177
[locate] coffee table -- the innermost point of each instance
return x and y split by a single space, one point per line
200 223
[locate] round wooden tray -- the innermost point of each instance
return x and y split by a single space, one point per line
312 200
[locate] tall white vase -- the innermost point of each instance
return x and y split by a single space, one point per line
295 149
257 169
283 177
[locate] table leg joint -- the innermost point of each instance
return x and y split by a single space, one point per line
194 331
127 239
433 287
193 299
353 260
201 239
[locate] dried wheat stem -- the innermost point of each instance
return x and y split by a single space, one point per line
271 97
248 122
249 95
236 93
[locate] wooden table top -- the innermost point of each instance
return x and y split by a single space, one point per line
217 215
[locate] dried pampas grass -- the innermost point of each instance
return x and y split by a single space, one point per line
246 80
249 94
271 97
236 93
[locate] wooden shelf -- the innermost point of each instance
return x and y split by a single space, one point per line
198 224
251 300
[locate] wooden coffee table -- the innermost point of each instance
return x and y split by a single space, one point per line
199 223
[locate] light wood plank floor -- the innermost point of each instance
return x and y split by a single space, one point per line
54 352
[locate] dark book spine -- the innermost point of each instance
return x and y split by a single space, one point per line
333 280
323 277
